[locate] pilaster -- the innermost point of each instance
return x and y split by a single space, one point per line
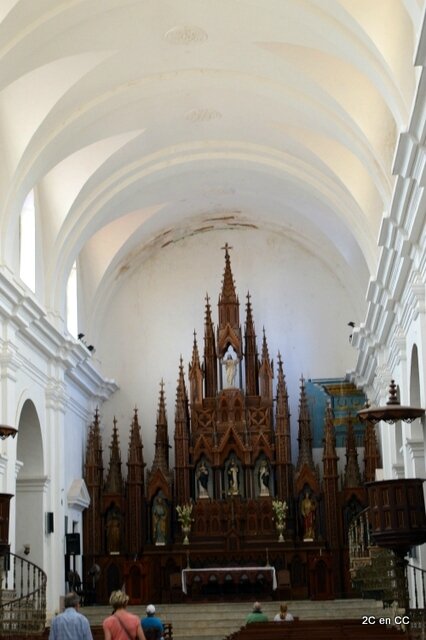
55 497
415 457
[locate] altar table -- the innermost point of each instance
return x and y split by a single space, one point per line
252 572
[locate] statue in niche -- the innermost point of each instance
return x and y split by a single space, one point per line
263 478
113 530
203 481
159 521
230 364
233 479
308 511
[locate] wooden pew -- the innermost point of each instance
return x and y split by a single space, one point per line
316 630
98 633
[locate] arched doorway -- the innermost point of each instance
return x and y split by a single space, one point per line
418 554
30 485
418 427
414 378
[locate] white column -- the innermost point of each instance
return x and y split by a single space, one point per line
55 500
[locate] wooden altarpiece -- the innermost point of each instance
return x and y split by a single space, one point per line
232 445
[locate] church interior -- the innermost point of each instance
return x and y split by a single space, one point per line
212 261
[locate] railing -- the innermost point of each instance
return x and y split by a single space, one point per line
417 611
359 539
373 571
22 596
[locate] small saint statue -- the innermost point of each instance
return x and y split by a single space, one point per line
203 481
233 478
159 521
230 364
113 526
263 478
307 509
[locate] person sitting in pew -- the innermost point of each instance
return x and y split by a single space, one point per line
284 615
257 614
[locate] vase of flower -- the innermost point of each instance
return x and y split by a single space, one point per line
185 530
185 518
280 509
280 529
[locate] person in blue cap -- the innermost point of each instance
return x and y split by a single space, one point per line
151 621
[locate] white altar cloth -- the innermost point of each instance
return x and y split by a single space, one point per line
230 570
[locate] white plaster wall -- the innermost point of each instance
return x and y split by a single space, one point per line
413 435
403 444
43 487
152 313
39 465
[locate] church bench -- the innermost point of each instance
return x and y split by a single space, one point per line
315 630
98 633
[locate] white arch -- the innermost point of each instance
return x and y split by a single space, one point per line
30 484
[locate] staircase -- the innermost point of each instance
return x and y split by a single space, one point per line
22 597
215 621
374 573
374 576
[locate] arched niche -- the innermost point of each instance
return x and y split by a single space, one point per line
415 399
417 428
30 485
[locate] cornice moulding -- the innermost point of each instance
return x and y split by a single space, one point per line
32 485
401 230
36 327
78 496
404 155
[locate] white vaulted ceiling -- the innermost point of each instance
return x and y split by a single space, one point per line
141 122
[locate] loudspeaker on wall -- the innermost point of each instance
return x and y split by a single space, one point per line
72 544
49 522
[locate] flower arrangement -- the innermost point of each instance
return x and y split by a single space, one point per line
280 510
280 513
185 514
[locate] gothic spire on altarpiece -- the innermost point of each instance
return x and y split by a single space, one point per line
306 477
182 463
330 456
250 352
229 330
266 373
354 492
284 466
93 476
114 481
371 453
330 479
160 477
114 498
195 375
135 461
135 486
210 356
94 451
352 476
304 438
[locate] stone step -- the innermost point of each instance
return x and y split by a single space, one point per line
215 620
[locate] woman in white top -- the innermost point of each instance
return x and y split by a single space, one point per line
283 615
